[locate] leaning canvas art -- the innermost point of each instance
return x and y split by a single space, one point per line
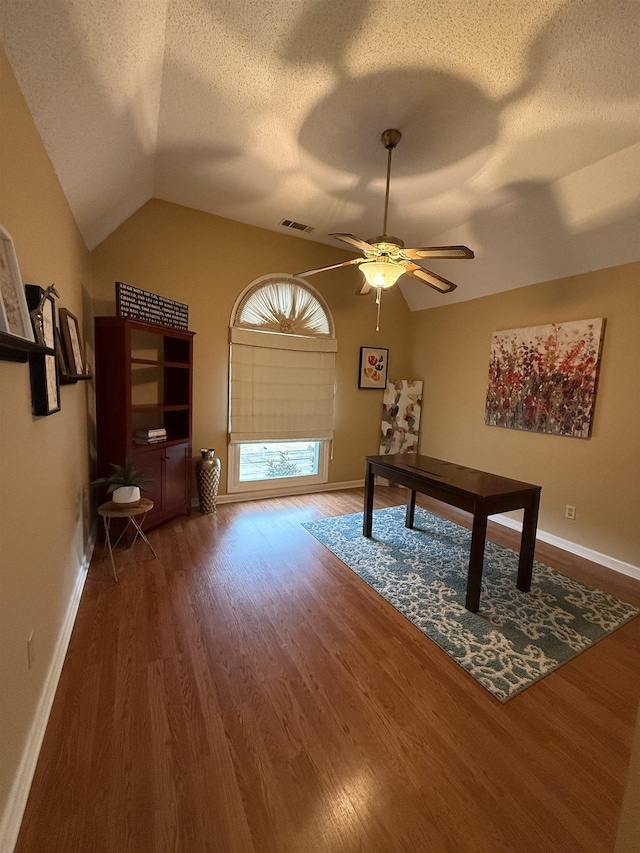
544 378
401 408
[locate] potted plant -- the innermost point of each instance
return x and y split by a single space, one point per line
124 484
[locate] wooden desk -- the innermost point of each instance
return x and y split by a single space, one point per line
110 510
475 491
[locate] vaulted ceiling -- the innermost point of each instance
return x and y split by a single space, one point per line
520 121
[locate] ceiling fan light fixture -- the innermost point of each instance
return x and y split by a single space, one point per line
381 273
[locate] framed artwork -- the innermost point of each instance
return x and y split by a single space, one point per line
544 378
45 387
61 361
14 315
72 343
401 410
374 363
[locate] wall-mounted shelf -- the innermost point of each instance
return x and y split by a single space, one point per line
71 380
17 349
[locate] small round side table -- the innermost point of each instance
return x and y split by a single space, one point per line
111 510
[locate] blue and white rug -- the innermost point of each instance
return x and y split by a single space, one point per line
516 638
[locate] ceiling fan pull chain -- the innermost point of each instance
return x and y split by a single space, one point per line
378 301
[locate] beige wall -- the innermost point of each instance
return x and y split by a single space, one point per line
206 261
600 476
43 461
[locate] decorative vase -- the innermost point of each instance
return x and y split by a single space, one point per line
208 479
126 495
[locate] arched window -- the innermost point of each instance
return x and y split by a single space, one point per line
282 377
283 304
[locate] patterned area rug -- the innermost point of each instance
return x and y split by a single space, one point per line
516 638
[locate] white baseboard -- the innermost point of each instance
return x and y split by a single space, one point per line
286 492
14 811
574 548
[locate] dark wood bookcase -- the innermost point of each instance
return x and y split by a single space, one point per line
143 376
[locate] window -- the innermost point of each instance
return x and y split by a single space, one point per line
258 465
282 376
277 459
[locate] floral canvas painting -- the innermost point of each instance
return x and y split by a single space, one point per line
544 378
401 408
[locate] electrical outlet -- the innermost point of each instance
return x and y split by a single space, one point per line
31 651
570 512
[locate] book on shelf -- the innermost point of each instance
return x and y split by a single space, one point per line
159 432
154 440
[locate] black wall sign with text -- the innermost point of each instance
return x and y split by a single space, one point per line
143 305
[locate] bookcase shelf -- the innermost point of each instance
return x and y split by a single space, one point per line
153 363
152 407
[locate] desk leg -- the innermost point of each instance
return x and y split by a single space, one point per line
411 508
369 483
528 543
108 546
476 559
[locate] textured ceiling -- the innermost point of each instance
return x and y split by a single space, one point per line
520 121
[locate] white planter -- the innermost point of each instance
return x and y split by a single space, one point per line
126 495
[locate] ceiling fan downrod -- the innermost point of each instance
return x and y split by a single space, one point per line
389 139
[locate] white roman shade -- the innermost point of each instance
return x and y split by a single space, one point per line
281 383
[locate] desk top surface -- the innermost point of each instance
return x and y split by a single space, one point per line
452 476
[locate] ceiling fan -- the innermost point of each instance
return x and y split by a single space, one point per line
385 258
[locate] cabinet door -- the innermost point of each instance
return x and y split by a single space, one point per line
177 476
151 463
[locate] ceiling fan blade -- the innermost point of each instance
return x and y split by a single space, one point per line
331 267
355 241
430 278
439 252
364 288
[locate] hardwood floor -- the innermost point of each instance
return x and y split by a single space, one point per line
248 693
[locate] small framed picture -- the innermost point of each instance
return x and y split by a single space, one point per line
374 362
45 387
61 361
72 343
14 314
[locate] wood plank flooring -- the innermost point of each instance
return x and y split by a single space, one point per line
248 693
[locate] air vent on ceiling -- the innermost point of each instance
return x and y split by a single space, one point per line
297 226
